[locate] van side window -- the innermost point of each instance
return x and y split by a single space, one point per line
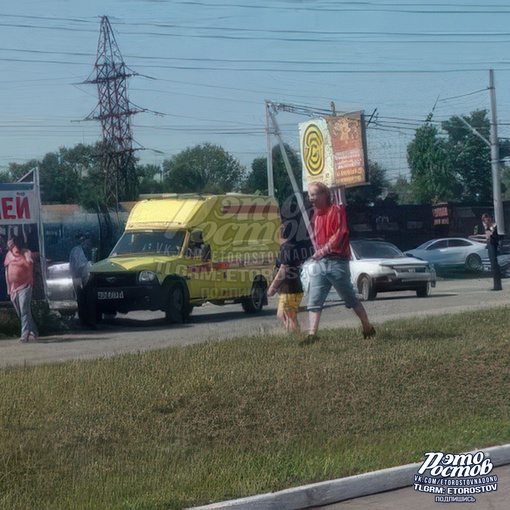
197 248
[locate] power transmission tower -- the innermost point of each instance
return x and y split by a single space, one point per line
114 111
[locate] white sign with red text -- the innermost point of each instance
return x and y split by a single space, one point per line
18 206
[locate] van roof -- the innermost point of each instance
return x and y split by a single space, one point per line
172 211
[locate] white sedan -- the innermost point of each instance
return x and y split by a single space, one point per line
378 266
452 253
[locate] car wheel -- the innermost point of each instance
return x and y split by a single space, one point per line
255 301
177 306
474 262
424 291
366 288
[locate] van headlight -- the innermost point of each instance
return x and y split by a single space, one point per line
146 277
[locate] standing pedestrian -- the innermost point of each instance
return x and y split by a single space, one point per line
79 268
79 263
331 260
19 273
493 238
287 281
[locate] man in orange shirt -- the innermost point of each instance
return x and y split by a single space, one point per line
19 273
332 255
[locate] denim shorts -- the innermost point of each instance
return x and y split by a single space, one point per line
325 273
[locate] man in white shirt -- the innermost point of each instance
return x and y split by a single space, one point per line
79 263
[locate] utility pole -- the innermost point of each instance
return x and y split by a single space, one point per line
115 113
493 143
495 162
270 175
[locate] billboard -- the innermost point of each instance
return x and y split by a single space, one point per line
333 150
20 216
19 204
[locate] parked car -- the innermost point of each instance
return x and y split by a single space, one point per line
379 266
59 282
452 253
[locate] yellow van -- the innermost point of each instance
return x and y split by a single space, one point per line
180 251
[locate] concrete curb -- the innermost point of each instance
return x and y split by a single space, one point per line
334 491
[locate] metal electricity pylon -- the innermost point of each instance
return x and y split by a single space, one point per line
114 111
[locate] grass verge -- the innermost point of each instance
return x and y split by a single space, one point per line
185 426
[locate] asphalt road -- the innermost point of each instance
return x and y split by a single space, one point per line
142 331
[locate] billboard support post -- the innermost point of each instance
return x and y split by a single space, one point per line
297 191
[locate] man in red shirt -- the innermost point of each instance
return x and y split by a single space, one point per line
332 255
19 272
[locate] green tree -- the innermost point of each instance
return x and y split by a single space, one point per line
456 163
370 193
18 170
146 178
60 179
432 177
203 168
5 176
469 156
401 191
256 180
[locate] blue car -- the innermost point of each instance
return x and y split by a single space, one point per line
455 253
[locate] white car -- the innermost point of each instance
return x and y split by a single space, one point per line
452 253
59 282
379 266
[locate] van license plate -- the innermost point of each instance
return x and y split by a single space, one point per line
110 294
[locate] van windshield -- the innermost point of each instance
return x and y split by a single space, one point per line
166 242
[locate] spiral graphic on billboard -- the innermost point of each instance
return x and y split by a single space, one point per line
313 145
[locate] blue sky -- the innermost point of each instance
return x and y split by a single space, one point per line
208 66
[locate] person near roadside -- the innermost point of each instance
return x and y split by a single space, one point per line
79 268
19 273
287 281
493 238
331 260
79 263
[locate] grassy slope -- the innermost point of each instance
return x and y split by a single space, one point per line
184 426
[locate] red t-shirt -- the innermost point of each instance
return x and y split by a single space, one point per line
331 232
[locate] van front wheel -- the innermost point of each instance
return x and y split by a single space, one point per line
256 300
177 306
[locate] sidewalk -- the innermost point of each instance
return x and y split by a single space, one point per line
409 499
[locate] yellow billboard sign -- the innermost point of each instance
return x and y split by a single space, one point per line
333 150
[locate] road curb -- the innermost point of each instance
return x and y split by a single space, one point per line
334 491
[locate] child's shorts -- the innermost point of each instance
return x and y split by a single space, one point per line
290 302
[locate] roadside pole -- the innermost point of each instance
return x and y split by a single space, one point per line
270 179
494 143
295 187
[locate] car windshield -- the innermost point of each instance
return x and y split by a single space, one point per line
424 245
166 242
376 250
